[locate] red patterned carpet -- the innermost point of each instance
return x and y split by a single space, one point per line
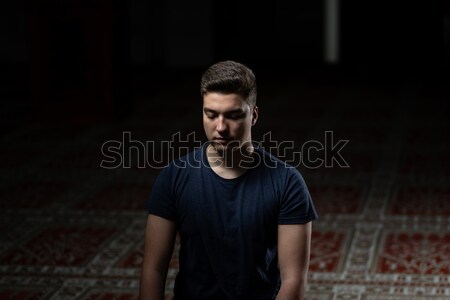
73 230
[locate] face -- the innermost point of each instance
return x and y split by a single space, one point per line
227 120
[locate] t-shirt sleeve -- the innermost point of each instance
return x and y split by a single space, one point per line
296 205
161 200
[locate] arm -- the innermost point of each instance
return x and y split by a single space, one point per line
293 258
159 242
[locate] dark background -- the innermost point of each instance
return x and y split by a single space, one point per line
75 75
84 62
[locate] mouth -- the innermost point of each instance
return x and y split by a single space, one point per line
221 140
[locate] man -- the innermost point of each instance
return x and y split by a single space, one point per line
243 216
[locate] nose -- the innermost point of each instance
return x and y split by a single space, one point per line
222 125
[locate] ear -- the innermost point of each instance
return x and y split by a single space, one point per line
254 115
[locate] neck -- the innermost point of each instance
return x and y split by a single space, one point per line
235 159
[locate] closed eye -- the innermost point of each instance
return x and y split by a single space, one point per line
210 116
236 116
232 115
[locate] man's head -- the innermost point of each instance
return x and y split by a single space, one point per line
229 77
229 105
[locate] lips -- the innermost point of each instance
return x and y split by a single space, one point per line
221 140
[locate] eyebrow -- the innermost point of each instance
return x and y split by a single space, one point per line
238 110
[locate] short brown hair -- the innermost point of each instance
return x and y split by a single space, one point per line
229 77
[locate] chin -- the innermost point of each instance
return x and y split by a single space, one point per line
221 148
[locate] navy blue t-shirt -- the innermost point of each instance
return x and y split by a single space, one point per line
228 227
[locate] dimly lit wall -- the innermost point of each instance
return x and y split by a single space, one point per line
394 37
78 59
13 61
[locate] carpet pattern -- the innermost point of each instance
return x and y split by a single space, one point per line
72 230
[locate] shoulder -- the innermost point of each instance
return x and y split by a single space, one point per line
282 171
192 160
178 171
270 161
182 166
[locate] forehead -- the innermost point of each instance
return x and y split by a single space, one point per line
222 102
